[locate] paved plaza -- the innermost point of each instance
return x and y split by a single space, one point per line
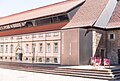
14 75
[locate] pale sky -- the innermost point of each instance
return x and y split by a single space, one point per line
8 7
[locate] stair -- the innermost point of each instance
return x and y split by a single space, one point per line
105 74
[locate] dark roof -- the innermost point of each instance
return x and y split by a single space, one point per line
115 19
87 14
57 8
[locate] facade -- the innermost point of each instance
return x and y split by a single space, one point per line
65 33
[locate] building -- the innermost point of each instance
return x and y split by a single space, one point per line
65 33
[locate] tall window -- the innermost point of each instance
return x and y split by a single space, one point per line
27 48
1 48
33 48
6 50
11 48
40 47
48 48
55 47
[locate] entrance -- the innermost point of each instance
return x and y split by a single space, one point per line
19 54
118 56
102 56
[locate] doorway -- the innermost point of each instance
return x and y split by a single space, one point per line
19 56
102 55
118 56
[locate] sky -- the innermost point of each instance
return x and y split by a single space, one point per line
8 7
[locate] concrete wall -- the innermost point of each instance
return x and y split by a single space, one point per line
70 47
85 46
91 43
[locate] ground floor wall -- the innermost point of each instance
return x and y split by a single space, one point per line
40 47
66 47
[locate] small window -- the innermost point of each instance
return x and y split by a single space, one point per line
63 18
40 35
55 60
47 59
40 59
29 24
111 36
5 57
48 34
10 58
56 34
1 57
26 58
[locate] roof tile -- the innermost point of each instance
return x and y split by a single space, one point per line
115 19
41 12
87 14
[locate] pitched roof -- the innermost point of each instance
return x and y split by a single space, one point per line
115 19
87 14
57 8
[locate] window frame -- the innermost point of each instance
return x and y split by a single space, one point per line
54 48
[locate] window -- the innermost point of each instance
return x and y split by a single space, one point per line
15 25
48 34
10 58
23 23
40 59
48 48
5 57
56 34
55 47
11 48
40 35
43 21
1 57
40 47
55 60
47 59
27 48
26 58
55 19
63 17
29 24
1 48
111 36
27 37
34 36
6 27
33 48
6 50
